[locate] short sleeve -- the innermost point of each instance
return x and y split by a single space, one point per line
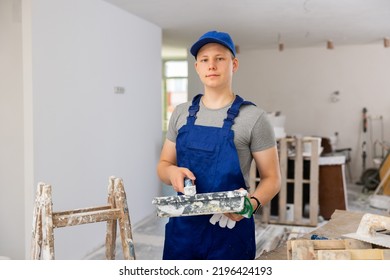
263 135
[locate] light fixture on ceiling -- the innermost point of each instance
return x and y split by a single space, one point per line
329 45
281 47
386 42
280 44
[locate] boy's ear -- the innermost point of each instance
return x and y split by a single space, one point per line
235 64
196 66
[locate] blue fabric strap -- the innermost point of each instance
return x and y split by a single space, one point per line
193 109
233 112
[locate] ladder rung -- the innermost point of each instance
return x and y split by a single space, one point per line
83 210
293 181
84 217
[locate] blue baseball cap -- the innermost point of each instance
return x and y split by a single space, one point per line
221 38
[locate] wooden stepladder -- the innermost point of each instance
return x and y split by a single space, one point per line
45 221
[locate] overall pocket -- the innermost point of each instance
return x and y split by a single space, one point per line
203 159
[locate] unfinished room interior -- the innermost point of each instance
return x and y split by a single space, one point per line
88 89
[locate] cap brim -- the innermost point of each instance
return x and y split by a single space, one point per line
198 45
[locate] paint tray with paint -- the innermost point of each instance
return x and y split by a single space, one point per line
200 204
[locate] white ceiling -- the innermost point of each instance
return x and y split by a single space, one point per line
262 24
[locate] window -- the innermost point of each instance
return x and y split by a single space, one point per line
175 87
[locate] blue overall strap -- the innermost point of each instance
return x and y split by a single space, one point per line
193 109
233 112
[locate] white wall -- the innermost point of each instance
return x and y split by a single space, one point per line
75 53
299 83
11 131
194 84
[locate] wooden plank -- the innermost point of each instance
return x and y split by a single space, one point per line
124 221
283 189
305 181
330 244
301 250
82 210
298 185
85 218
111 224
379 189
382 174
314 175
305 249
36 241
334 255
355 254
302 222
47 224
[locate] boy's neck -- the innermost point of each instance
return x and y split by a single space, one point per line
217 100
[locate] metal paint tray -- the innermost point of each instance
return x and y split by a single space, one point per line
200 204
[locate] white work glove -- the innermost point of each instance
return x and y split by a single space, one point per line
223 221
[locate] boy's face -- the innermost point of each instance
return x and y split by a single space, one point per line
215 65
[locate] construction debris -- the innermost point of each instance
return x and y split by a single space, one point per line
341 249
374 229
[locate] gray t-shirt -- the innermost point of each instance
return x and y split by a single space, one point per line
252 130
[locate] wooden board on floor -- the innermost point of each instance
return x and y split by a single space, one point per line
341 222
304 249
382 172
354 254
